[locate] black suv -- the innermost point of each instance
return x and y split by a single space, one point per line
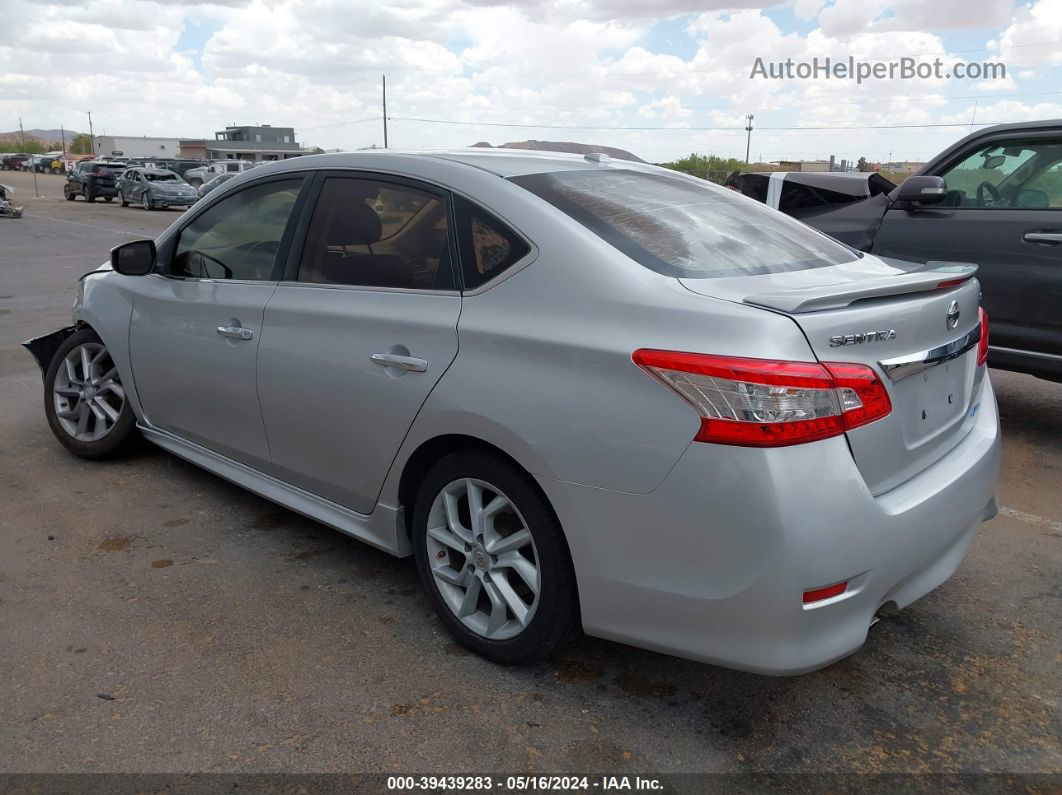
92 179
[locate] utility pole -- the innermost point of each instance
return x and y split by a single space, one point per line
92 136
973 118
385 108
36 192
62 132
748 140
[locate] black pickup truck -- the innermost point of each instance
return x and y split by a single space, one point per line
993 198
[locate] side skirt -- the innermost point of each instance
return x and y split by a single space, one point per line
381 529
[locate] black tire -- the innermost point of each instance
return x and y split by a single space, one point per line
69 194
108 199
122 438
556 619
145 202
90 196
122 199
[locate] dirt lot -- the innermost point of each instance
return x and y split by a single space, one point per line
154 618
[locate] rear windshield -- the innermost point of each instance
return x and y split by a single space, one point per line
684 228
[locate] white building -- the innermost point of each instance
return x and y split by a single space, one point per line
129 146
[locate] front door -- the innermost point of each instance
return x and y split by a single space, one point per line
358 335
196 326
1004 212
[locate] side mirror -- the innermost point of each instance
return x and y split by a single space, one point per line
134 259
918 191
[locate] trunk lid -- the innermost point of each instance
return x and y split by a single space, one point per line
898 319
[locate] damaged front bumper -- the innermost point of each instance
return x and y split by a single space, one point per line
44 348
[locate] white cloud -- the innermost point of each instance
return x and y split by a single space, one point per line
316 64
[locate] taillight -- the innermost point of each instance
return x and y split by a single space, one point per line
768 403
982 344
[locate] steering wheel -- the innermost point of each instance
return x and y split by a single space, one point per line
995 195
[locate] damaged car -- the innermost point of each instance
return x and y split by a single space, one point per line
7 203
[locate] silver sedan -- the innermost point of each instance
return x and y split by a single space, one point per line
584 394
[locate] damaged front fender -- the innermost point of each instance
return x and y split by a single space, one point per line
44 348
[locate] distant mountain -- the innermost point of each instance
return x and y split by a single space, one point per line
566 146
44 136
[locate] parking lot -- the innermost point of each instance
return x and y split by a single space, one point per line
154 618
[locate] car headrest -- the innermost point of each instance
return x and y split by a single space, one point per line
354 224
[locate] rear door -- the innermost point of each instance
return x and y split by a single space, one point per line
196 326
358 333
1004 212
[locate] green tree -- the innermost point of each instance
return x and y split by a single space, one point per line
710 167
31 147
862 164
81 145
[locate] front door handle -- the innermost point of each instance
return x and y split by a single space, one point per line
410 363
1042 237
235 332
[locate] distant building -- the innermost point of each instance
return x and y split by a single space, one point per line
131 146
902 166
245 143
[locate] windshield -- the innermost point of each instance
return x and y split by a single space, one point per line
684 228
162 176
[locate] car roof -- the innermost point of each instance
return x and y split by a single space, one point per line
502 162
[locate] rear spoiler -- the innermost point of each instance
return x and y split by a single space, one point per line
933 276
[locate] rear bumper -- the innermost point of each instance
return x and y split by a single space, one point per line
713 564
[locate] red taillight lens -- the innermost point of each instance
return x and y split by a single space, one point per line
982 345
767 403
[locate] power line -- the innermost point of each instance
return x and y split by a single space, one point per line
683 129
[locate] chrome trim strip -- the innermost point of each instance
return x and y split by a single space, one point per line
902 366
1054 357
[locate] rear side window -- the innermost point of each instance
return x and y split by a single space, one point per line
237 238
488 247
371 233
684 228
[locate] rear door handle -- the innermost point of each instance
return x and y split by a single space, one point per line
1042 237
410 363
235 332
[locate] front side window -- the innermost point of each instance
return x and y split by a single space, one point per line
370 233
1009 175
237 238
684 228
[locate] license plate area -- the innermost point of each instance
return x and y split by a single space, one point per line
933 400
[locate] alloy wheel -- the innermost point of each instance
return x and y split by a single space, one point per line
88 393
483 559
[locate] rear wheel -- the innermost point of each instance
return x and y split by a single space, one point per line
85 402
90 195
492 557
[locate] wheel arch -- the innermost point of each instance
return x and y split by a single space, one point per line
433 450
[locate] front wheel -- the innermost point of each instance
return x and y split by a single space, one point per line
145 202
121 198
493 559
68 194
85 402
